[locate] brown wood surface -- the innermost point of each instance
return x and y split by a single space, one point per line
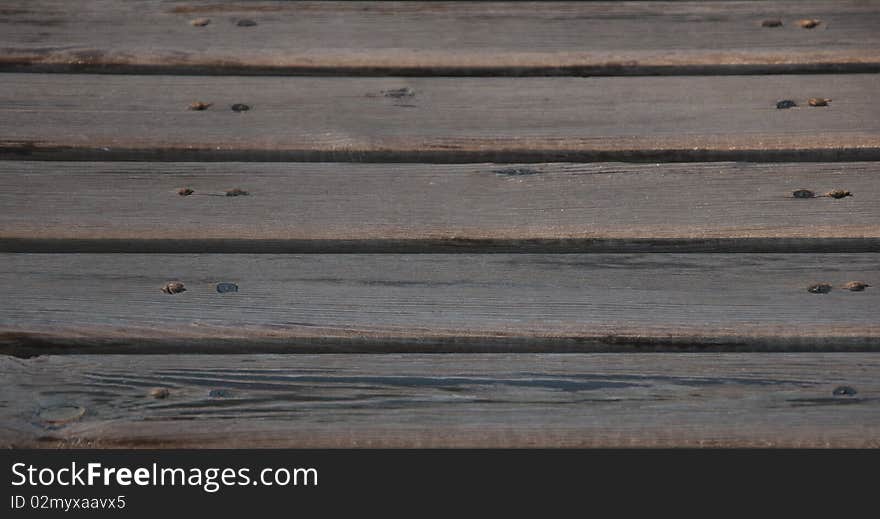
576 400
81 303
442 38
344 207
95 117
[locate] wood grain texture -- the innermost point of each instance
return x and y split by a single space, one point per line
110 303
576 400
439 38
343 207
54 116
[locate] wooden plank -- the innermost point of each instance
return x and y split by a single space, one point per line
439 38
320 207
445 120
576 400
436 303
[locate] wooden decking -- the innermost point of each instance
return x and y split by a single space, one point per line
444 224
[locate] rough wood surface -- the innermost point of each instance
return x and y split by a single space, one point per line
576 400
444 38
436 303
319 207
92 117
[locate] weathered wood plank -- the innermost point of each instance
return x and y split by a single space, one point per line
443 38
444 120
578 400
436 303
309 207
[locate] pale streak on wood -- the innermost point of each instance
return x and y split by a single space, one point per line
308 207
87 117
576 400
442 38
80 303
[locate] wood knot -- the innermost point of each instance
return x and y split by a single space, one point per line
819 101
803 193
819 288
61 414
200 22
173 287
159 393
237 192
771 23
844 391
198 106
240 107
856 286
809 23
785 104
185 191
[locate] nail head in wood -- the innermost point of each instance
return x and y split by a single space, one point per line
819 288
838 193
240 107
237 192
159 393
771 23
856 286
803 193
224 288
185 191
245 23
173 287
844 391
785 104
198 106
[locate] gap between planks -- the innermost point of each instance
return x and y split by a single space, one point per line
451 120
113 303
439 38
422 401
416 208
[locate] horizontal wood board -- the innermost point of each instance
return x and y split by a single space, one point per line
94 117
80 303
521 400
438 38
344 207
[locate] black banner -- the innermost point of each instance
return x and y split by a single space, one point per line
230 483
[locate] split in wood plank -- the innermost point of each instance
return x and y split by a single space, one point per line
89 117
576 400
343 207
80 303
439 38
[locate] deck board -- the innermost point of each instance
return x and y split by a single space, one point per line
575 400
344 207
439 38
80 303
94 117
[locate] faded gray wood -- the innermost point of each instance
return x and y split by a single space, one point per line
576 400
317 207
447 38
54 116
436 303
